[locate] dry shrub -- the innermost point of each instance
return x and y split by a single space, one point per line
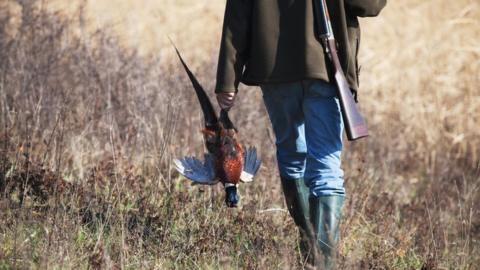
89 127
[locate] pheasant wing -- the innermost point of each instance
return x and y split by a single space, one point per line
197 171
251 164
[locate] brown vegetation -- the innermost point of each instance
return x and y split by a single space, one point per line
89 127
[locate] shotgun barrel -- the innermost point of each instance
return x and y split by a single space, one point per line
355 125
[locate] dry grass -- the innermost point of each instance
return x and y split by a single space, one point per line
89 125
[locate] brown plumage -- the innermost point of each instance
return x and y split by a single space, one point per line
230 158
228 153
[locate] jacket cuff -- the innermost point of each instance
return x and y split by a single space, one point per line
225 89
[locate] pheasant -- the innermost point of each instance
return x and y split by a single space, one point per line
226 161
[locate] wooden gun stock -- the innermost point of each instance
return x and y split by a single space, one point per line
355 125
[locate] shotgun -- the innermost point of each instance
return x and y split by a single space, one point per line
355 125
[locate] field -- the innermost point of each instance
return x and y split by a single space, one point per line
94 106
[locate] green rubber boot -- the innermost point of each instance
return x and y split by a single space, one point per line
296 196
325 216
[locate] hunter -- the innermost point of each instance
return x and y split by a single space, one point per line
272 44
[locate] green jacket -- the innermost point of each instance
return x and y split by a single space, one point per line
273 41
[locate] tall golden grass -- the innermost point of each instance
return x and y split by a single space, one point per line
94 106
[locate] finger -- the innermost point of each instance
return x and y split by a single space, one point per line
229 103
231 96
224 106
226 100
226 96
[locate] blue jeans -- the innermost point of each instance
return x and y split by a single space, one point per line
308 127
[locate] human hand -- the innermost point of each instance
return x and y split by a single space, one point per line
226 100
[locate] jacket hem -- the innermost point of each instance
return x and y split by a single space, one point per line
252 81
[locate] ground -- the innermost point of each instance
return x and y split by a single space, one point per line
94 107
